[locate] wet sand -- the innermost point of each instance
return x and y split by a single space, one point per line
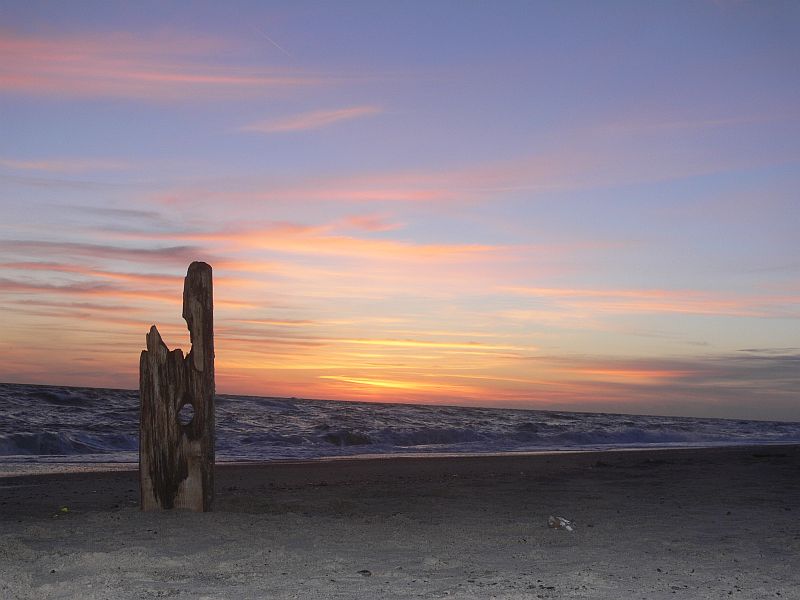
697 523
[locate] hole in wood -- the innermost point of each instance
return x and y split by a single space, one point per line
186 414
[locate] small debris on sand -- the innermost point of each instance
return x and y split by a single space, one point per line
560 523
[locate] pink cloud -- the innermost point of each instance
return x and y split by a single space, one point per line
145 278
585 160
312 120
170 66
658 301
373 223
580 162
174 255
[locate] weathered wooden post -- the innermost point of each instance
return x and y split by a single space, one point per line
176 460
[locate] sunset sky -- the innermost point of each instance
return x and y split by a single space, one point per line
575 205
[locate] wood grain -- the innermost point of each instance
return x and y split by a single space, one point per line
176 461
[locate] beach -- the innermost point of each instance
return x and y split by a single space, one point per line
692 523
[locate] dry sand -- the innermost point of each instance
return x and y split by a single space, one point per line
716 523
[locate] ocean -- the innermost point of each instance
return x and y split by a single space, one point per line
53 428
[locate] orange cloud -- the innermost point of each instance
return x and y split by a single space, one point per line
279 322
383 383
312 120
432 344
315 240
346 387
635 376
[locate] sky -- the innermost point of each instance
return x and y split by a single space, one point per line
588 206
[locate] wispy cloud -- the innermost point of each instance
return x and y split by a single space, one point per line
601 159
726 382
172 255
322 240
372 223
115 213
62 183
65 165
168 66
662 301
47 284
92 307
90 288
661 124
312 120
428 344
53 267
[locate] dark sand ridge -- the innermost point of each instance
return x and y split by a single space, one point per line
695 523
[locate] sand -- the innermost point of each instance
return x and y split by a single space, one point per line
713 523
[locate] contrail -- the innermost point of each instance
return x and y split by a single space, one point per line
271 41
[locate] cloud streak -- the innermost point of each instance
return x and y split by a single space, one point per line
312 120
663 301
170 255
322 240
169 66
65 165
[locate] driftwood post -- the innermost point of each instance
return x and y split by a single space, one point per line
176 460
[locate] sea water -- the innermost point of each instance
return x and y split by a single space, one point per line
63 426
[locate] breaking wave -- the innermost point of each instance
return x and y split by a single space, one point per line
85 424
